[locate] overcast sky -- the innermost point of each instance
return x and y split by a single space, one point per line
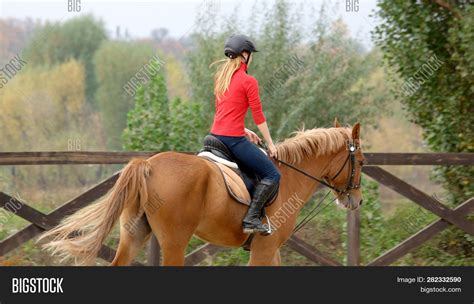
140 17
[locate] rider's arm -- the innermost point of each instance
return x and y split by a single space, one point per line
263 127
255 105
253 97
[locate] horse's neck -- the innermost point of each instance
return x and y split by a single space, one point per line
297 183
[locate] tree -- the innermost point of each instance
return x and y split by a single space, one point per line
156 124
177 80
187 126
78 38
40 102
148 122
14 35
327 78
429 45
116 63
44 109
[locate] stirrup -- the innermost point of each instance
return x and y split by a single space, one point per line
255 230
267 228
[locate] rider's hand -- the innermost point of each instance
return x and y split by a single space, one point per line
273 151
252 136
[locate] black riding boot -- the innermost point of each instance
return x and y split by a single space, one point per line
252 222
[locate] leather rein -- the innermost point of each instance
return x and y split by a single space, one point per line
350 182
351 147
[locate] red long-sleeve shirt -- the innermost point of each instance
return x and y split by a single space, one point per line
233 105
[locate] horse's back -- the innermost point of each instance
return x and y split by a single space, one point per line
177 161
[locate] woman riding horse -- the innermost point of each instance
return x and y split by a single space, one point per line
175 196
235 92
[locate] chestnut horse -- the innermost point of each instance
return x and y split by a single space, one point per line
175 196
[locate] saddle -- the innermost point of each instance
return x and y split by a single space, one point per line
239 180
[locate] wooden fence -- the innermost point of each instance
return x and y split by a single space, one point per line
447 217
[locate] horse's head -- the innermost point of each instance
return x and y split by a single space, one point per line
346 169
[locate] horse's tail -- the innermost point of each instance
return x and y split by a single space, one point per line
80 236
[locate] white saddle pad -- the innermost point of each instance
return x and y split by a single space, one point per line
222 160
218 159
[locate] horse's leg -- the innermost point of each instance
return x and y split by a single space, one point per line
134 232
173 238
174 254
261 257
263 250
276 258
174 224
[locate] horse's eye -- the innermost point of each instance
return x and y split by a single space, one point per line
361 163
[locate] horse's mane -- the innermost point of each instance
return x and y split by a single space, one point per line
313 142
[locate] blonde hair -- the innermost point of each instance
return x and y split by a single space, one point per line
224 74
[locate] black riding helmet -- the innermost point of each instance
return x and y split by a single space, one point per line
236 44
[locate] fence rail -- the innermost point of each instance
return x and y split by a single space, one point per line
105 157
447 217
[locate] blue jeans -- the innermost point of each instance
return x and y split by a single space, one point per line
249 157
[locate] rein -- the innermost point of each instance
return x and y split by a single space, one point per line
350 184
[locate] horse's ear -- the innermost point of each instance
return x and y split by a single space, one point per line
356 131
336 123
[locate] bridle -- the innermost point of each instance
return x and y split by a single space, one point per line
350 185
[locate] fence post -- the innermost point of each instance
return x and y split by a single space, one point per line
154 252
353 237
